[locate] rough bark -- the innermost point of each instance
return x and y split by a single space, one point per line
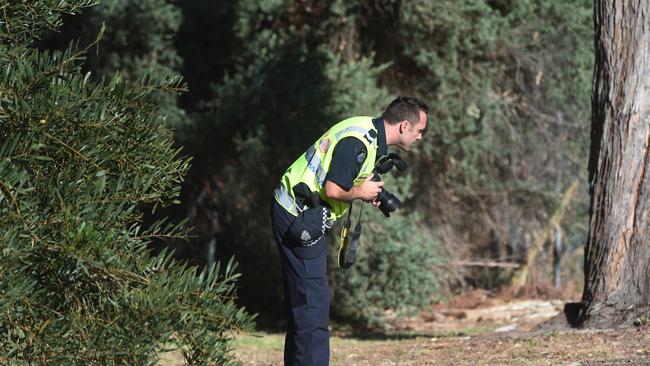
617 256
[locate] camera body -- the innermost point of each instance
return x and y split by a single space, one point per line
388 201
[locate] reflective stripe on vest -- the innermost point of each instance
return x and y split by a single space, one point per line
285 200
312 167
315 165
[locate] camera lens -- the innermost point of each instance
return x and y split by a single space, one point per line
389 202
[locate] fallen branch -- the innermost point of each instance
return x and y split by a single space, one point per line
486 264
520 278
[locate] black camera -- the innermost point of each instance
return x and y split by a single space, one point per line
388 201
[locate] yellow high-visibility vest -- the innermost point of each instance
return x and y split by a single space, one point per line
311 168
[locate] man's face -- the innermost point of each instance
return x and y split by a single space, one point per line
410 133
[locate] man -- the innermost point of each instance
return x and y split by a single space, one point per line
316 190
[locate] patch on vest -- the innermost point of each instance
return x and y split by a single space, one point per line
324 145
361 157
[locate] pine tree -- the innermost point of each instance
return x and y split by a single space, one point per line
78 162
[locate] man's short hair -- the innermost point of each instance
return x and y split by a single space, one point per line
404 108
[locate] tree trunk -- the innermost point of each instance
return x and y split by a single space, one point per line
617 256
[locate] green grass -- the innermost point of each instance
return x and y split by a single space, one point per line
248 345
260 341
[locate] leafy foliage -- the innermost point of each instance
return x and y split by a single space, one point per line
78 161
507 122
507 83
393 270
25 20
138 40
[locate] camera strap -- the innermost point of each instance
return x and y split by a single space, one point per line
357 228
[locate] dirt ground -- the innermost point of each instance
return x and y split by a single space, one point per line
474 329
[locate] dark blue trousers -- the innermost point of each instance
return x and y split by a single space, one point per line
306 292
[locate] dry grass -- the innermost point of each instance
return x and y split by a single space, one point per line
611 347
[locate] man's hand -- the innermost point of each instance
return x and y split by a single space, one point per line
367 191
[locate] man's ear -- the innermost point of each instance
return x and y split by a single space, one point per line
403 126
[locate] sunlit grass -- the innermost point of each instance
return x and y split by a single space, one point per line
251 344
246 346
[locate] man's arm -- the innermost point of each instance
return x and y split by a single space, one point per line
347 158
367 191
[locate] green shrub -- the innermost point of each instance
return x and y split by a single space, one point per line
78 162
138 39
394 268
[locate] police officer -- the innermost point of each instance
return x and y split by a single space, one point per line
315 191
